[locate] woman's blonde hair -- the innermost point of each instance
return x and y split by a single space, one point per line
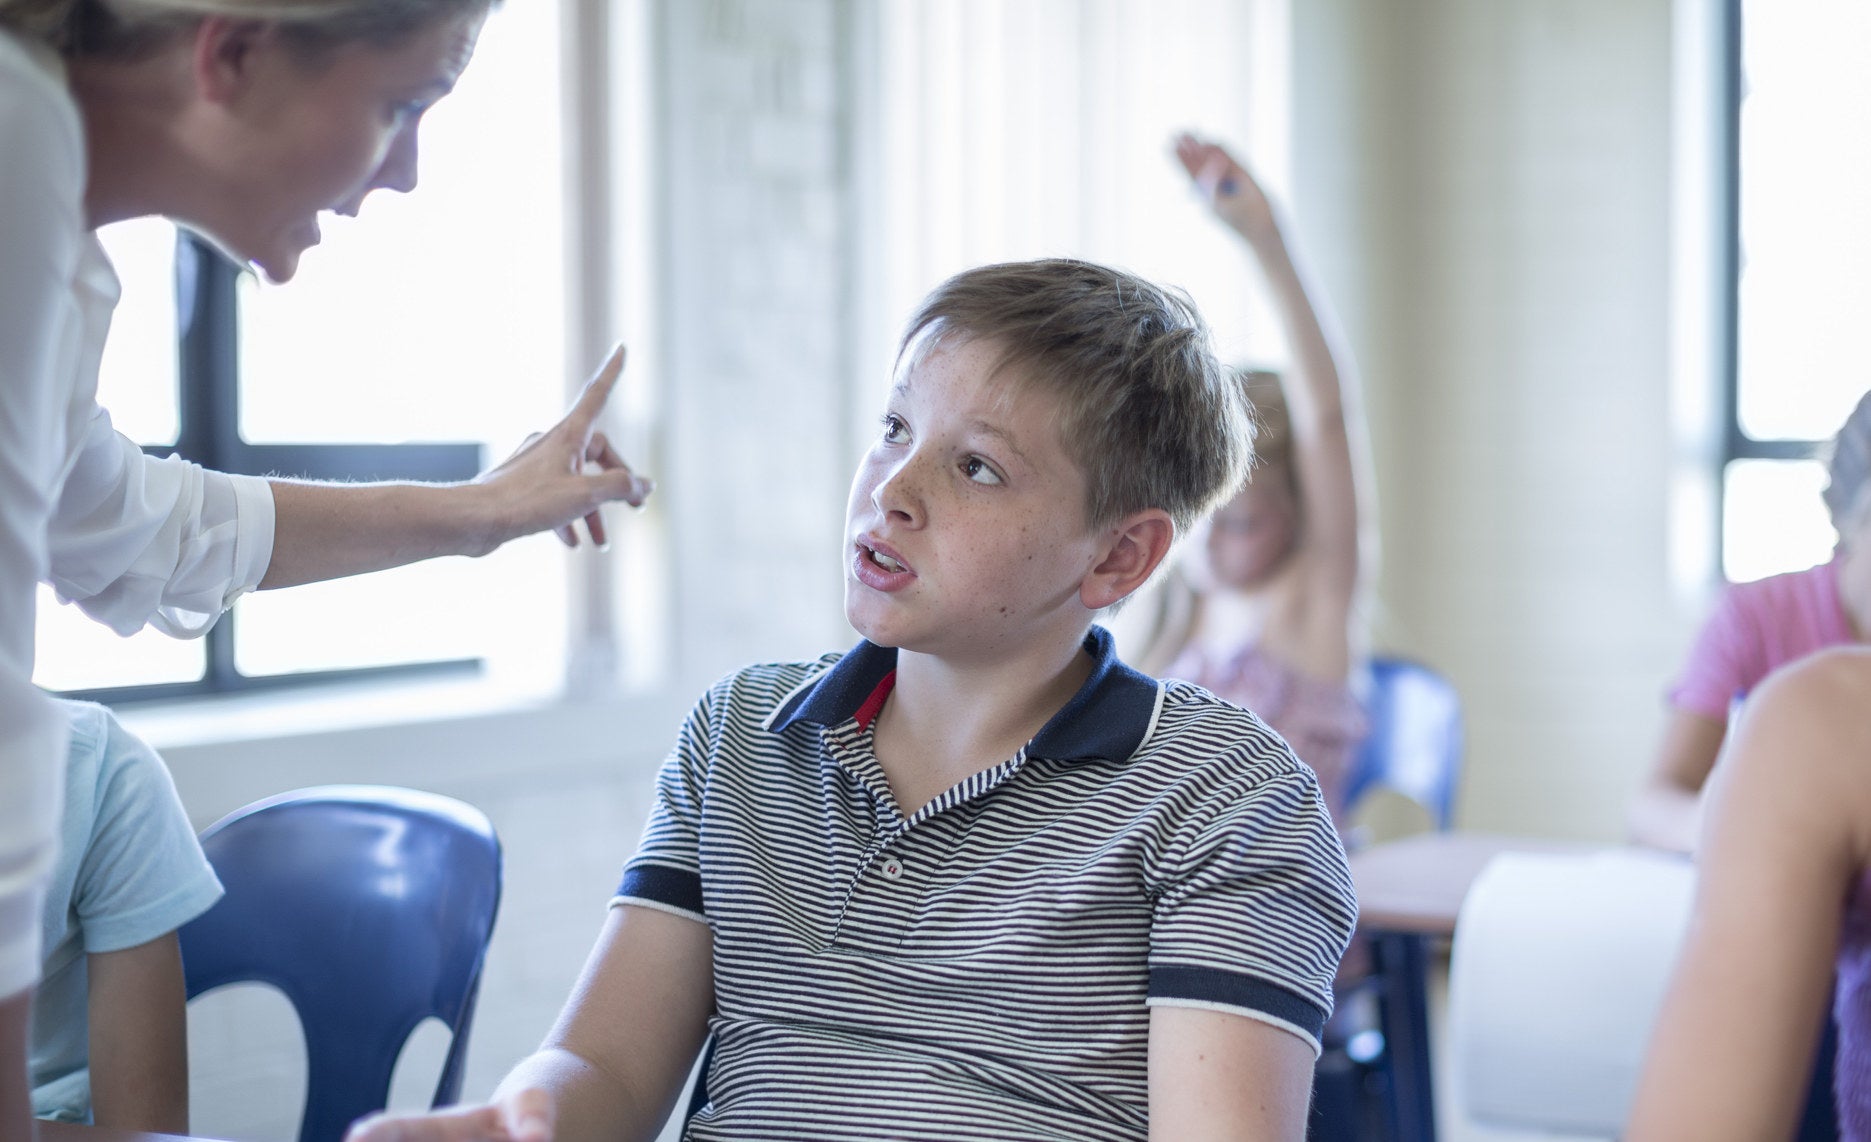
128 27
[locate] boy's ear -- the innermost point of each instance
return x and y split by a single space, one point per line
223 55
1137 545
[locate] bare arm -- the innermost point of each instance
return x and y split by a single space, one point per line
139 1037
614 1063
328 531
1667 811
1787 832
1215 1076
15 1092
1329 445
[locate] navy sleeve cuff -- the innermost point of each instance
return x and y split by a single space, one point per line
660 884
1213 987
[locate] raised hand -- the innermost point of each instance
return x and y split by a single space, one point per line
1227 187
546 482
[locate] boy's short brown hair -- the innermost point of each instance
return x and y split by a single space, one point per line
1149 413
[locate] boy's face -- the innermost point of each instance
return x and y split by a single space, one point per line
966 531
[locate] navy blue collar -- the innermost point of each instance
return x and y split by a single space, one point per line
1109 717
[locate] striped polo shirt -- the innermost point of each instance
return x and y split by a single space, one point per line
984 967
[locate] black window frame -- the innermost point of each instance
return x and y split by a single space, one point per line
208 433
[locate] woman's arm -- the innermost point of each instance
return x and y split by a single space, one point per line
1667 811
1321 393
614 1063
328 531
1214 1076
1787 833
137 1010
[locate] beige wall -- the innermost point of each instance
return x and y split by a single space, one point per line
1487 187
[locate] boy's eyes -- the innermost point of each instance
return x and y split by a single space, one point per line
895 431
977 469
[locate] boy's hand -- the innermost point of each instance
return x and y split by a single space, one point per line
544 484
1228 188
523 1116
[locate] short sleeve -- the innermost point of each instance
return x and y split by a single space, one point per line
1723 663
1258 907
143 873
666 873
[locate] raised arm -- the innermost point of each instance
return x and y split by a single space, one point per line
328 531
1216 1075
1321 391
614 1063
1786 834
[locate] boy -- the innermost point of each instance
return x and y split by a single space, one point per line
976 878
109 1041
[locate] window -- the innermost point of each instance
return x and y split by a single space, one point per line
1043 128
417 339
1799 104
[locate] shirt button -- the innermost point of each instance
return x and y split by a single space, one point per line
893 868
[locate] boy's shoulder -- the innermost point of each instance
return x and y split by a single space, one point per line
1194 720
761 688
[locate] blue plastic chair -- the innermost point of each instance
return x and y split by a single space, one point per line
370 907
1414 746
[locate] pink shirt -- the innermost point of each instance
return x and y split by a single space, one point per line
1756 628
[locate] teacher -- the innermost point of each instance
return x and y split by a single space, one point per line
243 120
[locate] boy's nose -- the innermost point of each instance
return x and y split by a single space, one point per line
898 492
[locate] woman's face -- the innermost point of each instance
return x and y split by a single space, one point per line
1249 537
298 137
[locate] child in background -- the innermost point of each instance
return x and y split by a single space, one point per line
1264 607
1756 628
1782 908
975 878
109 1034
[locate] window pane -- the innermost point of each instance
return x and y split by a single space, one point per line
502 607
1773 519
137 378
76 653
436 315
1805 235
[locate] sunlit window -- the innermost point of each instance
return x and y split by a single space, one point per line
434 318
1044 129
1803 175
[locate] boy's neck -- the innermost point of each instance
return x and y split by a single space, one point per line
945 722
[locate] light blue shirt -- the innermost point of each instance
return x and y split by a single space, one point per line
129 870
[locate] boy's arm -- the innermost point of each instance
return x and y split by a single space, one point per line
139 1037
1216 1075
615 1062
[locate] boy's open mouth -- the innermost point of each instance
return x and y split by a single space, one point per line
881 560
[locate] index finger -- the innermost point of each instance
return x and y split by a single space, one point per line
597 390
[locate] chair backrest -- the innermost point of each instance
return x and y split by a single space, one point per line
1415 742
370 907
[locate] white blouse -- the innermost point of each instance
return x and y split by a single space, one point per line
128 538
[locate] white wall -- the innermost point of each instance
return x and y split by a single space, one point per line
1487 187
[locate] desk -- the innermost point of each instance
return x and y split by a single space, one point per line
66 1132
1409 893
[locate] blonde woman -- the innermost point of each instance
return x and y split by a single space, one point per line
244 120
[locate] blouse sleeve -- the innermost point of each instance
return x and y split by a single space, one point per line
136 539
41 181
